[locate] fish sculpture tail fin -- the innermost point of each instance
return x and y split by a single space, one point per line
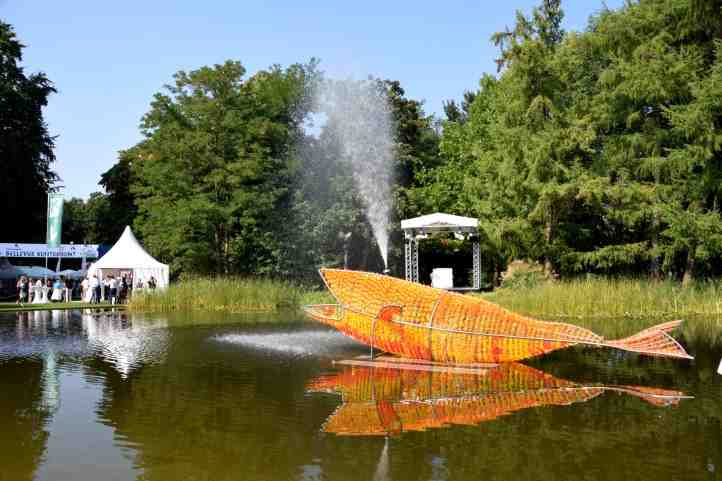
654 341
655 396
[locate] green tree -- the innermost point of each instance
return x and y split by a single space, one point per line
211 179
26 147
121 208
100 217
459 113
94 220
693 172
76 221
594 151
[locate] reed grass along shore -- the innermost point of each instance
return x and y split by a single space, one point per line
610 307
226 294
620 307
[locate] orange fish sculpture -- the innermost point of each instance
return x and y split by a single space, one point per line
381 401
420 322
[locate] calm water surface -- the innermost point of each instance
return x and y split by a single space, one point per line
108 396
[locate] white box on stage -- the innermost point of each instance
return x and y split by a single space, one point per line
442 277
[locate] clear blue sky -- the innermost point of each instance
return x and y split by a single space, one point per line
107 59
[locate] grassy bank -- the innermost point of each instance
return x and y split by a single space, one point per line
613 308
231 295
620 307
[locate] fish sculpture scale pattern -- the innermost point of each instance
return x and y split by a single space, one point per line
416 321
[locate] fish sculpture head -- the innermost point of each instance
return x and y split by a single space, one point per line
365 294
325 313
330 314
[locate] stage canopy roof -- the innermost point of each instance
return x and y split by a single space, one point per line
439 222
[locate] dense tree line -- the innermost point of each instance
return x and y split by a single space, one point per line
230 180
594 151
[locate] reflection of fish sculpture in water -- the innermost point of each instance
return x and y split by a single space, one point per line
420 322
382 401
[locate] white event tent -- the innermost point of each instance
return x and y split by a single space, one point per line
128 255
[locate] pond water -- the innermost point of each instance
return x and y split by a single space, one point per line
101 395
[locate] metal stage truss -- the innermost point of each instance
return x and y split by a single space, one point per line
420 228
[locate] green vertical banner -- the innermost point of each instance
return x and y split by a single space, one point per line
55 219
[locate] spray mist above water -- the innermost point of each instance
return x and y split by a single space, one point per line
359 115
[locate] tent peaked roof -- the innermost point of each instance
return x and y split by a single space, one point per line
127 253
440 221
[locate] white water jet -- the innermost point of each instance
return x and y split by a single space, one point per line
359 116
298 344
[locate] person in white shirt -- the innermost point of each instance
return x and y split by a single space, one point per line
94 290
85 293
41 296
113 286
56 292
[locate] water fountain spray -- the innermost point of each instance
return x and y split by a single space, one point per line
359 114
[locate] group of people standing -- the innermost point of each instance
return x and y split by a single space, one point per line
110 289
39 291
93 290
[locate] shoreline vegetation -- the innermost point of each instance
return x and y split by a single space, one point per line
610 307
620 307
233 295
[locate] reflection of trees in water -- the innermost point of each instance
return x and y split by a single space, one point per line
31 355
215 412
30 391
23 417
211 412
